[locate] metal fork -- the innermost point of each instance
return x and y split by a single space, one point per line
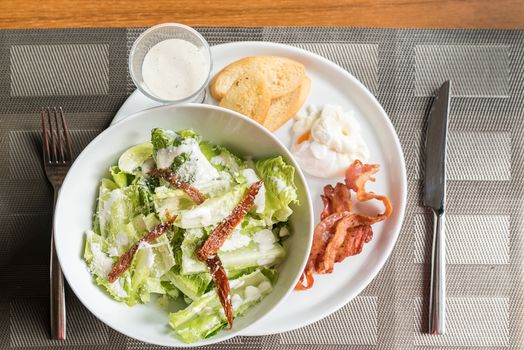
57 158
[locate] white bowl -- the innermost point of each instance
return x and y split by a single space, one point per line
76 203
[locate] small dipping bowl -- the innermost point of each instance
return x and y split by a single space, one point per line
160 33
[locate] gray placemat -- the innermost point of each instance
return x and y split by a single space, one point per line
85 71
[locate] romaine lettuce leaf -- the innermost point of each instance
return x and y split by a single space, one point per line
150 262
193 286
212 211
252 256
171 199
132 159
222 159
193 239
119 177
204 316
162 138
281 191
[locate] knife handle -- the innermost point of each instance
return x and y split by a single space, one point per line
437 298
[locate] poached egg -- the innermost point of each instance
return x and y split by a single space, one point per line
327 140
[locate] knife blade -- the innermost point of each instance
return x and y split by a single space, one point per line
435 198
435 170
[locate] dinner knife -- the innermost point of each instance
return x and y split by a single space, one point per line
435 198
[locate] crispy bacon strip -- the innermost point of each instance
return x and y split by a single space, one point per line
193 193
224 229
124 261
321 237
356 177
308 275
341 198
327 199
326 261
220 278
340 233
354 241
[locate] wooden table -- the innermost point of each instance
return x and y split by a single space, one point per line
359 13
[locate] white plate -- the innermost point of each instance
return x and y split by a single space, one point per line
330 84
76 202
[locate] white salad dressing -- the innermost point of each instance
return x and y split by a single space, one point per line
118 287
101 264
197 168
219 185
260 198
175 69
252 293
236 283
105 209
265 286
236 301
149 255
279 183
200 215
121 241
265 239
227 160
235 241
326 141
284 231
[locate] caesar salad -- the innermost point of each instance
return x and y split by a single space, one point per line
180 218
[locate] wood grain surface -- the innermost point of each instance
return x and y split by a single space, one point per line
359 13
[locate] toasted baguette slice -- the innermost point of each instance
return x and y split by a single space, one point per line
285 107
282 75
250 96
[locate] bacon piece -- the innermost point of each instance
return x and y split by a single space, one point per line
357 174
219 235
326 261
327 199
308 275
340 233
193 193
321 236
220 278
341 198
124 261
354 241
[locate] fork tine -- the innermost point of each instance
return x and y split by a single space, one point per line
59 132
45 142
69 146
52 134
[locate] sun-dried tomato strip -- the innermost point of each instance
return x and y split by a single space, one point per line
122 264
124 261
193 193
208 251
220 278
219 235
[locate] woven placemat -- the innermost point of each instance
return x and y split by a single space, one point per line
85 71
